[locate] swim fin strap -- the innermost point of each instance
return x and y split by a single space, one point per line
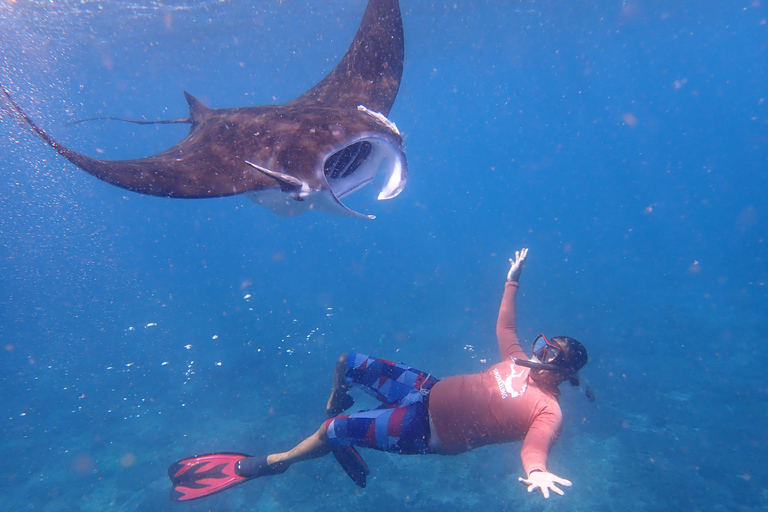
352 463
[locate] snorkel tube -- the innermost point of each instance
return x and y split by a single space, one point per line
573 377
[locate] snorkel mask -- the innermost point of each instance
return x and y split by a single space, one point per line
565 356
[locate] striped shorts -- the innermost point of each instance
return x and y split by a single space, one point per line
401 423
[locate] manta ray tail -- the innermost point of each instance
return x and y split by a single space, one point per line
197 112
160 121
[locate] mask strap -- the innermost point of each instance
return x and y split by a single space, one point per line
583 382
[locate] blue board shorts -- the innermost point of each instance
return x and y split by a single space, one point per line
401 423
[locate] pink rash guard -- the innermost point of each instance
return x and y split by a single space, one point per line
500 404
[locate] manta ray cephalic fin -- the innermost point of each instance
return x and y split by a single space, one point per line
284 179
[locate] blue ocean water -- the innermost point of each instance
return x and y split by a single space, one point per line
624 142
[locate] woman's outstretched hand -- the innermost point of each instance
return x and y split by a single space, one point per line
544 481
516 265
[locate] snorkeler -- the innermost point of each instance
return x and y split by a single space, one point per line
516 399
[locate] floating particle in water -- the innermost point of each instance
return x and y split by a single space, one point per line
187 346
247 296
84 464
150 324
694 268
189 371
629 119
215 337
127 460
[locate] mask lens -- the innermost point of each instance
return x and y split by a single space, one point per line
544 350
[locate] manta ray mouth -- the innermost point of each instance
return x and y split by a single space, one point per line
357 164
343 163
345 171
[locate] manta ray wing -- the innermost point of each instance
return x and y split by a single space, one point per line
188 170
369 73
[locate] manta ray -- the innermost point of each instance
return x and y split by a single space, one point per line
306 154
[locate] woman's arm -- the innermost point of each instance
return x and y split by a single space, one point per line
539 439
506 324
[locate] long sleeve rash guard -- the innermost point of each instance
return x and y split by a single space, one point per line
500 404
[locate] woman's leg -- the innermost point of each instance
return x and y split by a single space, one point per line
316 445
386 381
403 429
339 401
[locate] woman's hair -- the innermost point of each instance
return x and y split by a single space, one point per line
574 355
